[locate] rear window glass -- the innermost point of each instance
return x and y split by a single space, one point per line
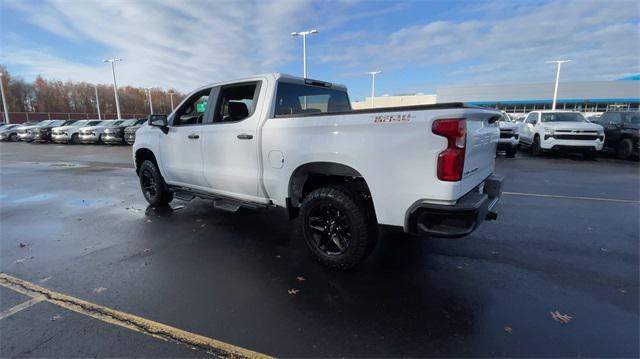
303 99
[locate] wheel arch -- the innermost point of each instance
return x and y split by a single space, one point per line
312 175
143 154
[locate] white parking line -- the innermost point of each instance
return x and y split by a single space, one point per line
571 197
24 305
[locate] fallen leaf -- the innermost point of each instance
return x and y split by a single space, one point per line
146 250
99 290
203 225
56 317
44 280
301 279
278 256
198 220
293 291
22 245
495 252
604 249
622 290
558 317
148 220
177 207
508 329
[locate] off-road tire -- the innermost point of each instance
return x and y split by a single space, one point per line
153 186
625 149
536 150
363 228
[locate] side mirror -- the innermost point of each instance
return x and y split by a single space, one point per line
159 121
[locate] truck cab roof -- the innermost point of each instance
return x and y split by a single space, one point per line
277 76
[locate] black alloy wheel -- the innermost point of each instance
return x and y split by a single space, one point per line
152 185
339 226
330 229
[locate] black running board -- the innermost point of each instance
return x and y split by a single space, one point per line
219 201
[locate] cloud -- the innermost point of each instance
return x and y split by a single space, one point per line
603 41
164 42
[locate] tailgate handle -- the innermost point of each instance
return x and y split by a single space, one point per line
244 136
193 136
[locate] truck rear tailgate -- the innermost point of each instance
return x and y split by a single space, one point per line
482 140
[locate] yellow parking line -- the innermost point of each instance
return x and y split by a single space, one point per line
571 197
24 305
129 321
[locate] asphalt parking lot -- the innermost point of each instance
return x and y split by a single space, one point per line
74 223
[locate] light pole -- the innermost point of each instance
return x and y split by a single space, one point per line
555 90
150 101
115 87
304 47
97 101
373 84
171 93
4 100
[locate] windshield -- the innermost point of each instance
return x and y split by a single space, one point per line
106 123
43 123
141 121
79 123
563 117
57 123
631 117
115 123
128 123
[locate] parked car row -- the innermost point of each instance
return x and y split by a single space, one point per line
570 131
73 131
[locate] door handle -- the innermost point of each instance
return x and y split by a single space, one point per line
244 136
193 136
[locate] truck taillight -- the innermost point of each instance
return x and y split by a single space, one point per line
451 160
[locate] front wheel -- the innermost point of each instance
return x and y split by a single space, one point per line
153 186
536 150
14 138
625 149
339 226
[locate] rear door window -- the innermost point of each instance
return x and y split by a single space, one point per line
294 99
236 102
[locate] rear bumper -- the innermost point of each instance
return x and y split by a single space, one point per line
459 219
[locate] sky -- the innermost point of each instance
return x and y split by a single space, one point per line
418 45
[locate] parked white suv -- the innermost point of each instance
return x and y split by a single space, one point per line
281 141
561 130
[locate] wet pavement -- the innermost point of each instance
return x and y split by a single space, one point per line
88 233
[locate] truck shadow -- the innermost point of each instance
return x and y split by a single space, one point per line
404 296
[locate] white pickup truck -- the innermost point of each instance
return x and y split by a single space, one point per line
278 140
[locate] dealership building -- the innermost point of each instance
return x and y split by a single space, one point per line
593 96
589 97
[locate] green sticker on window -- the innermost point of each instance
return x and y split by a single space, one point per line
201 107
